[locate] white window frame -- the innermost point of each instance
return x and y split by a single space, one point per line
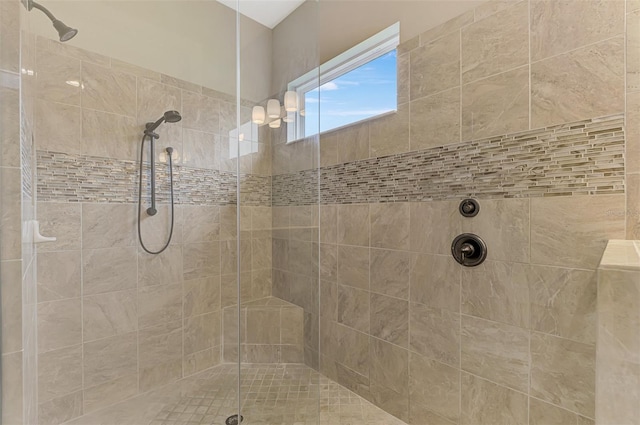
372 48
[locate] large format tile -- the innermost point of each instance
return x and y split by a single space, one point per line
496 352
353 266
390 225
108 225
62 220
566 234
61 409
58 78
109 314
110 135
55 137
154 98
10 217
11 298
485 403
59 372
353 144
353 225
435 281
200 112
201 296
390 271
563 373
497 291
108 90
563 302
389 134
59 275
435 120
109 358
160 269
435 333
496 44
496 105
389 319
434 385
541 413
159 304
389 366
585 83
554 29
201 260
433 226
435 66
633 51
106 270
353 308
59 324
160 355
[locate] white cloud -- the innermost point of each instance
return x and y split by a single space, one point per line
330 86
356 112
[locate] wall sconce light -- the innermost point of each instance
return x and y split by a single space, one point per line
275 111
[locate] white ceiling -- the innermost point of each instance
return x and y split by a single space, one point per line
268 12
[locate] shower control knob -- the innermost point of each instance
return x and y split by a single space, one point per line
469 250
469 207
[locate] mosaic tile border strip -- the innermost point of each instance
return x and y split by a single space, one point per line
579 158
65 177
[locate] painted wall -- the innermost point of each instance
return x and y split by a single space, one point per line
192 40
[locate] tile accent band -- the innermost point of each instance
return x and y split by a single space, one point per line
579 158
65 177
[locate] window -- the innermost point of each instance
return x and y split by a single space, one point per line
358 84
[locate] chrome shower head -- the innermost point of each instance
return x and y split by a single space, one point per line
169 116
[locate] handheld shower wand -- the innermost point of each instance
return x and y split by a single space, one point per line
150 127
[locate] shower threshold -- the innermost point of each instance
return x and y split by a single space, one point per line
272 394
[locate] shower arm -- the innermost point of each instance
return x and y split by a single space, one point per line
30 4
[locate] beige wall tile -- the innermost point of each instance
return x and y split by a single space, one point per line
202 332
9 47
263 326
435 66
201 260
434 385
201 296
160 269
328 149
202 360
10 218
496 352
59 138
390 225
555 222
61 409
553 28
353 308
154 99
155 229
109 135
67 49
59 324
11 297
389 366
108 90
433 226
109 393
403 69
485 403
541 413
292 326
109 314
490 7
10 127
504 226
109 358
497 291
106 270
64 222
435 333
496 105
160 355
496 44
352 349
435 120
353 143
328 223
563 302
54 71
563 373
390 134
108 225
59 275
199 149
435 281
633 206
584 83
353 266
632 5
200 112
59 372
390 319
12 384
633 50
448 27
159 304
390 271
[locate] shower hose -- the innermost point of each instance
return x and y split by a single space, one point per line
169 154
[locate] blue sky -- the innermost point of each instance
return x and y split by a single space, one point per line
361 93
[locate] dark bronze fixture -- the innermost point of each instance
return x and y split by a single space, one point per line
469 249
469 207
65 32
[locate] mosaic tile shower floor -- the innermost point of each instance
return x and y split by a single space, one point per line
275 394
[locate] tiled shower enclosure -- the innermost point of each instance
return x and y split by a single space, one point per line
312 281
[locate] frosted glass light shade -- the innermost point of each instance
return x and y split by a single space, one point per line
273 108
257 115
291 101
275 123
